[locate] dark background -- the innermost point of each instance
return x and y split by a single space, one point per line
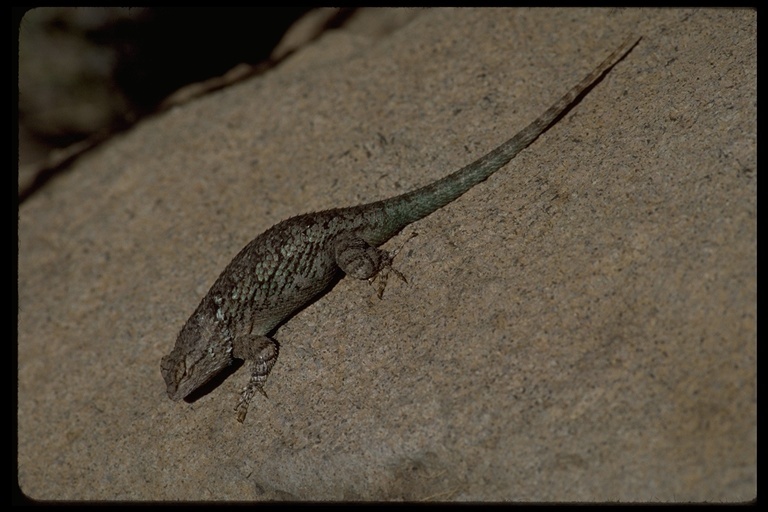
87 73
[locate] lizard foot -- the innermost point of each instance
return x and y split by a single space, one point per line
386 268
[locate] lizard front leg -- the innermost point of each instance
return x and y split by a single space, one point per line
260 355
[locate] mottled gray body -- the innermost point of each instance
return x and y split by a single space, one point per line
288 265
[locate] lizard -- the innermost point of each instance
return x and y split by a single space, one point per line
289 265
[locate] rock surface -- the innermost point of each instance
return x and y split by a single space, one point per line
580 327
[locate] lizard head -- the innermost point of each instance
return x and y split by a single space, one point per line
198 355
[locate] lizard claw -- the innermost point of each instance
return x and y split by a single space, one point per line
383 274
245 399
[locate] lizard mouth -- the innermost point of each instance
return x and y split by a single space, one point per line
185 375
174 371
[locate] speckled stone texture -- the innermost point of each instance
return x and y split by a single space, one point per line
581 327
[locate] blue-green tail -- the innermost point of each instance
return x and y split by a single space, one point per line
404 209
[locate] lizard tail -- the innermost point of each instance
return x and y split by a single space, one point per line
404 209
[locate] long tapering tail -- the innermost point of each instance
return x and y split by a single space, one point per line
404 209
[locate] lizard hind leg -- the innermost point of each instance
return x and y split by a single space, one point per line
383 275
358 259
260 355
